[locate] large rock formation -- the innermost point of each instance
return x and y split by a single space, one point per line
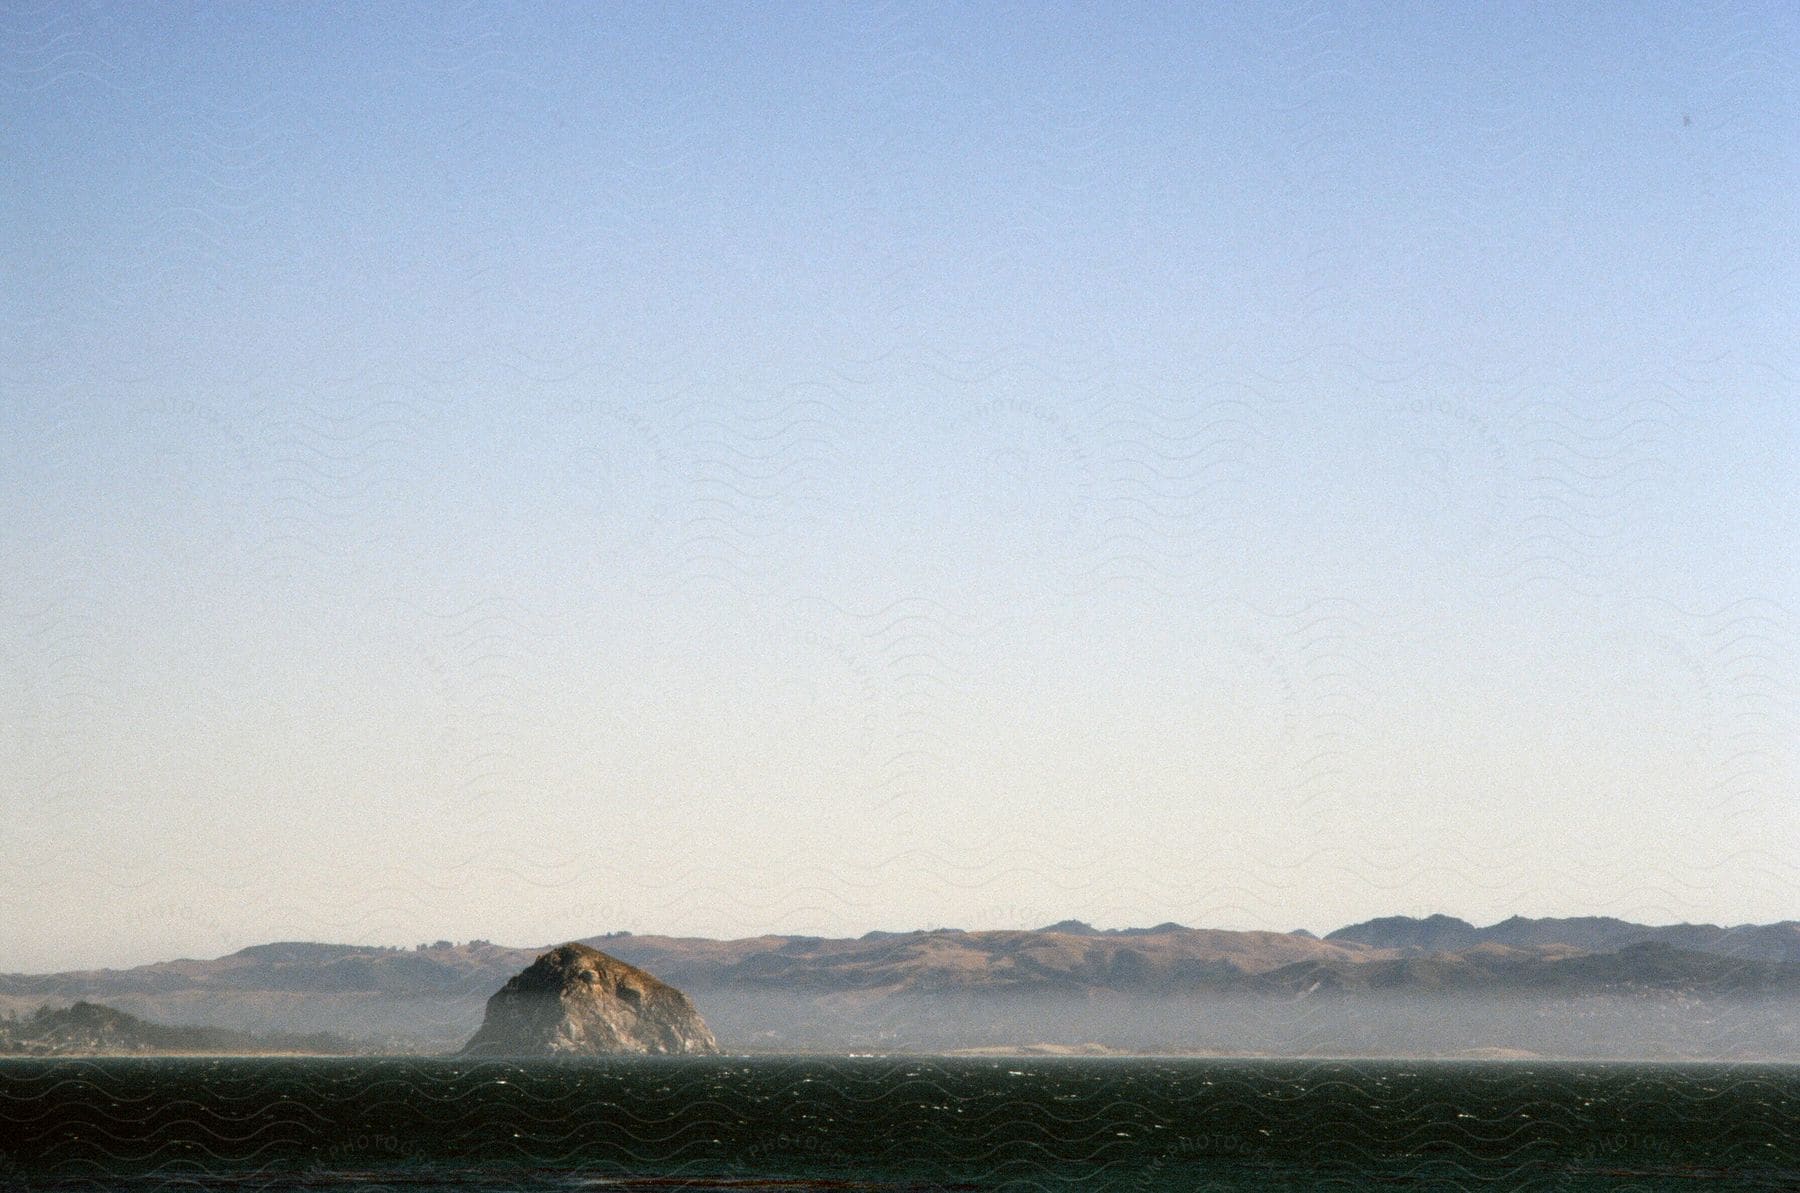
578 1001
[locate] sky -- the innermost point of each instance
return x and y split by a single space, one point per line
527 472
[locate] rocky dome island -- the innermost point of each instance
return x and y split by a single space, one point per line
577 1001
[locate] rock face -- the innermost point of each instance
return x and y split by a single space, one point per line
578 1001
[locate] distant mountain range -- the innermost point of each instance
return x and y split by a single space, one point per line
1594 934
1583 986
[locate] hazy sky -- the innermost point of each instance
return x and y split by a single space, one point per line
529 472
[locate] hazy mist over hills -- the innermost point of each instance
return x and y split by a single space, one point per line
1588 986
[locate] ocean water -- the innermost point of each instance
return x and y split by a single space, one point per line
802 1123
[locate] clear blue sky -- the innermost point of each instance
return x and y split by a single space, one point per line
525 472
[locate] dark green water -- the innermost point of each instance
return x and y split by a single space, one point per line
816 1123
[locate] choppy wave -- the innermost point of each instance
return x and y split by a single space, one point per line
892 1123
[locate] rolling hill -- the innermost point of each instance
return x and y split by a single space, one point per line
1387 984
